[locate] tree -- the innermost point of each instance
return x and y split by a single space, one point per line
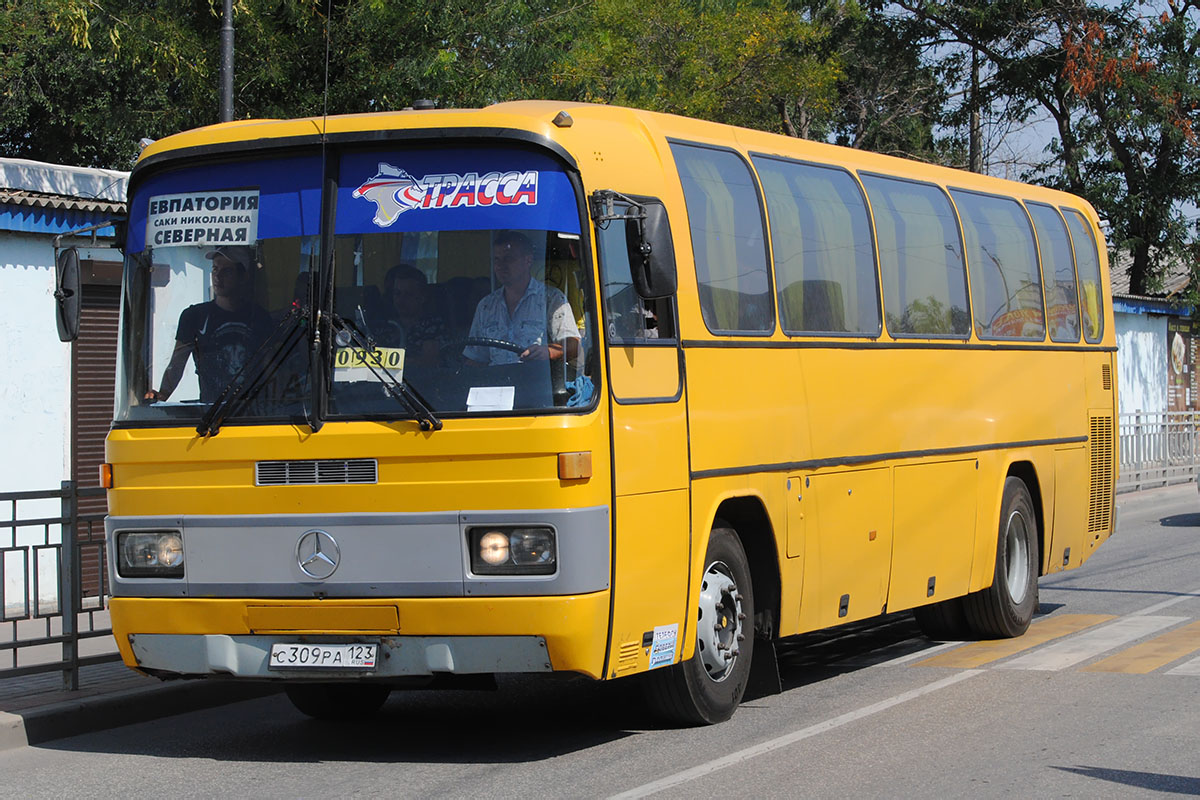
744 63
1120 85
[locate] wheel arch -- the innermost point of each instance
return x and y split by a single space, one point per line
748 517
1027 472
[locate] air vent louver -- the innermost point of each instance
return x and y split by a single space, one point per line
309 473
1100 494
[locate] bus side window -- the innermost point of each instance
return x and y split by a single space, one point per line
920 258
728 241
1087 261
1006 293
825 275
1058 273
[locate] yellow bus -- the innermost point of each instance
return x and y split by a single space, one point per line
418 397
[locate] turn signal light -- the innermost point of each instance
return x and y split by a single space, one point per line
106 478
575 466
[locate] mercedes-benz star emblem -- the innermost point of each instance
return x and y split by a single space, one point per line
317 554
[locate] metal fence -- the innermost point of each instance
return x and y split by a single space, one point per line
1158 449
53 584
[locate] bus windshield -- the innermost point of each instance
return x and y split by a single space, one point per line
456 274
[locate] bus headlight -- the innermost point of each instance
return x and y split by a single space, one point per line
150 554
512 551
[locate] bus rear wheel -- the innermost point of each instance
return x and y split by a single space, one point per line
708 687
338 700
1005 609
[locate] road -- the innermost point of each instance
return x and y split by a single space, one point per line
1100 699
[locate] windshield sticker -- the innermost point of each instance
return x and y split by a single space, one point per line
491 398
394 191
203 218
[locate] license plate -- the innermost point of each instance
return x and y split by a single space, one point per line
323 656
353 364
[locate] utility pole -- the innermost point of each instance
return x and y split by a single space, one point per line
975 137
227 62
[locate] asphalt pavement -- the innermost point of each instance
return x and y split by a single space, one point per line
35 709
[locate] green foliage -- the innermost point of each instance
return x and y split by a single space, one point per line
742 62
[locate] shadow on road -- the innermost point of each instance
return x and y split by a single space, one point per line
1156 781
1181 521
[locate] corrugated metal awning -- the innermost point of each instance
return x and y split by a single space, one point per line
33 212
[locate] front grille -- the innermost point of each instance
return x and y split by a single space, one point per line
308 473
1100 495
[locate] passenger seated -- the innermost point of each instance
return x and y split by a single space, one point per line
410 324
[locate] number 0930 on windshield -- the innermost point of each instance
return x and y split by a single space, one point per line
357 363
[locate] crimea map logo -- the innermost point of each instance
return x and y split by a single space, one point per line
394 191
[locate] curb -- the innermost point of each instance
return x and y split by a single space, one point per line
115 709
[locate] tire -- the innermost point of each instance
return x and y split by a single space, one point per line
708 687
1005 609
944 621
338 700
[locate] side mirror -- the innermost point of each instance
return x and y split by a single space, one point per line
651 253
66 295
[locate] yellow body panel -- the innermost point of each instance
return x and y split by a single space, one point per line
896 450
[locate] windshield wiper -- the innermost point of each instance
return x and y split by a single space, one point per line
398 388
257 370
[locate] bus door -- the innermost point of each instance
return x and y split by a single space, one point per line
650 465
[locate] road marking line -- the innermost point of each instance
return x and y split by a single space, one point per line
1040 632
1192 595
1186 668
791 738
1149 656
1061 655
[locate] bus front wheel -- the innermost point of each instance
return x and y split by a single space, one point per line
707 688
1005 609
338 700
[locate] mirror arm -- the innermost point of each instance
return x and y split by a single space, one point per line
603 206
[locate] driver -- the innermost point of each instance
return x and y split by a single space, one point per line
523 311
220 334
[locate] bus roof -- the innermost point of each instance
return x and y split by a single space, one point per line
592 126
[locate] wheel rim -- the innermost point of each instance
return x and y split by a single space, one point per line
720 633
1017 548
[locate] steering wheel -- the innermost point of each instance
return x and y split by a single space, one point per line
499 344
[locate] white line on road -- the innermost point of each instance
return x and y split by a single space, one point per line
1091 643
791 738
1192 595
1186 668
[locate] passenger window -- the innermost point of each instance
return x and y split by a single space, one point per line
821 245
629 318
1058 273
920 258
1087 262
728 240
1006 293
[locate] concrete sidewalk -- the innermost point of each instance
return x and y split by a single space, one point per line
36 709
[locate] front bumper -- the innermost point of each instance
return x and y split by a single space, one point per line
230 638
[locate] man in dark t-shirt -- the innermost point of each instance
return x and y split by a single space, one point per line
221 334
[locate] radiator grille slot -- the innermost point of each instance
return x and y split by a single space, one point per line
1100 494
1106 377
627 657
309 473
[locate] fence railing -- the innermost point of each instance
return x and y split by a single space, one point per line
1158 449
53 584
